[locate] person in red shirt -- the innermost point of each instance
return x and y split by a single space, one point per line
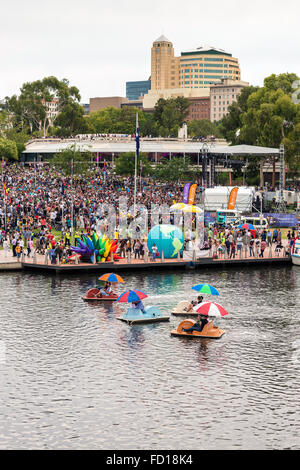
263 245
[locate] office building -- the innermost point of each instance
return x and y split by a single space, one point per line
197 68
222 95
135 90
103 102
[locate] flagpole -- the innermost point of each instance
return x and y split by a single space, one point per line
137 147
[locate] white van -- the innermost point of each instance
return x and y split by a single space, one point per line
257 222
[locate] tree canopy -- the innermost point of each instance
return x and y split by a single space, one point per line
72 160
125 165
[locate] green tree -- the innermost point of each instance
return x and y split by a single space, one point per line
31 107
81 160
71 120
203 127
8 149
266 116
125 165
170 114
176 169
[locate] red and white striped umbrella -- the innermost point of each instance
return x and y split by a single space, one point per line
211 309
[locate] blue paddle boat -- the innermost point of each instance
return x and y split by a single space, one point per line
135 315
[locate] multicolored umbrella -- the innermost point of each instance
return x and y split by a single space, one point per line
247 226
131 296
206 289
211 309
111 277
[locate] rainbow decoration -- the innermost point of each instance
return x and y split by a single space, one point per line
100 247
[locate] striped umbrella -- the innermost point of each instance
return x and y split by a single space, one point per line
247 226
132 296
211 309
206 289
111 277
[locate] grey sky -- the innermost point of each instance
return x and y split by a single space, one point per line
99 45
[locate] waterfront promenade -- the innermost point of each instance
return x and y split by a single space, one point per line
41 263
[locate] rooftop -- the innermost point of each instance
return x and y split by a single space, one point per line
162 38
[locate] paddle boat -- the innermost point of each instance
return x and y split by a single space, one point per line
92 295
181 308
296 252
135 315
204 310
209 330
95 294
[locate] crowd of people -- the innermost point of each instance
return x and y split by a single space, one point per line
232 242
39 200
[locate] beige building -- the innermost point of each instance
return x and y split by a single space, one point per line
198 68
151 98
100 103
164 65
222 95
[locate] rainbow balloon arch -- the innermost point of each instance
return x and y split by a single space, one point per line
96 249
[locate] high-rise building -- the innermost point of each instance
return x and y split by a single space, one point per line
204 66
164 65
198 68
136 89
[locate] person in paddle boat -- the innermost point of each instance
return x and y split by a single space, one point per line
138 304
105 291
199 325
194 303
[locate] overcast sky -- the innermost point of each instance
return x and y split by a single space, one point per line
99 45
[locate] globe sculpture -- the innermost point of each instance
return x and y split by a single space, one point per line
168 239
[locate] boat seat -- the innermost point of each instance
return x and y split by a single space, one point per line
92 293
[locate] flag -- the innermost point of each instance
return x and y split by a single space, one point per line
63 188
137 136
5 191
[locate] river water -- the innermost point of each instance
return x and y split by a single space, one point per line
75 377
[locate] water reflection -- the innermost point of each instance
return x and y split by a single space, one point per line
76 377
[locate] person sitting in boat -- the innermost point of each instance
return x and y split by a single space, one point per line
194 303
198 326
138 304
106 290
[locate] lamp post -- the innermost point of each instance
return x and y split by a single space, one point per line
204 151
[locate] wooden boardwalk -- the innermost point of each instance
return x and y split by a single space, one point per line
270 257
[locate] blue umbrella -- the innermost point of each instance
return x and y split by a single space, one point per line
206 289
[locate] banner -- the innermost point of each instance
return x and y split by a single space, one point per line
186 191
232 198
192 193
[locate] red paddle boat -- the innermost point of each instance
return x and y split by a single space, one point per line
93 295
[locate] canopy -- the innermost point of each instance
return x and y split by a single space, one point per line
180 206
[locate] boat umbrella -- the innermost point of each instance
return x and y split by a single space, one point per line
111 277
211 309
247 226
131 296
206 289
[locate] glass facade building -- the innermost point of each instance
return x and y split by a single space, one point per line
136 89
